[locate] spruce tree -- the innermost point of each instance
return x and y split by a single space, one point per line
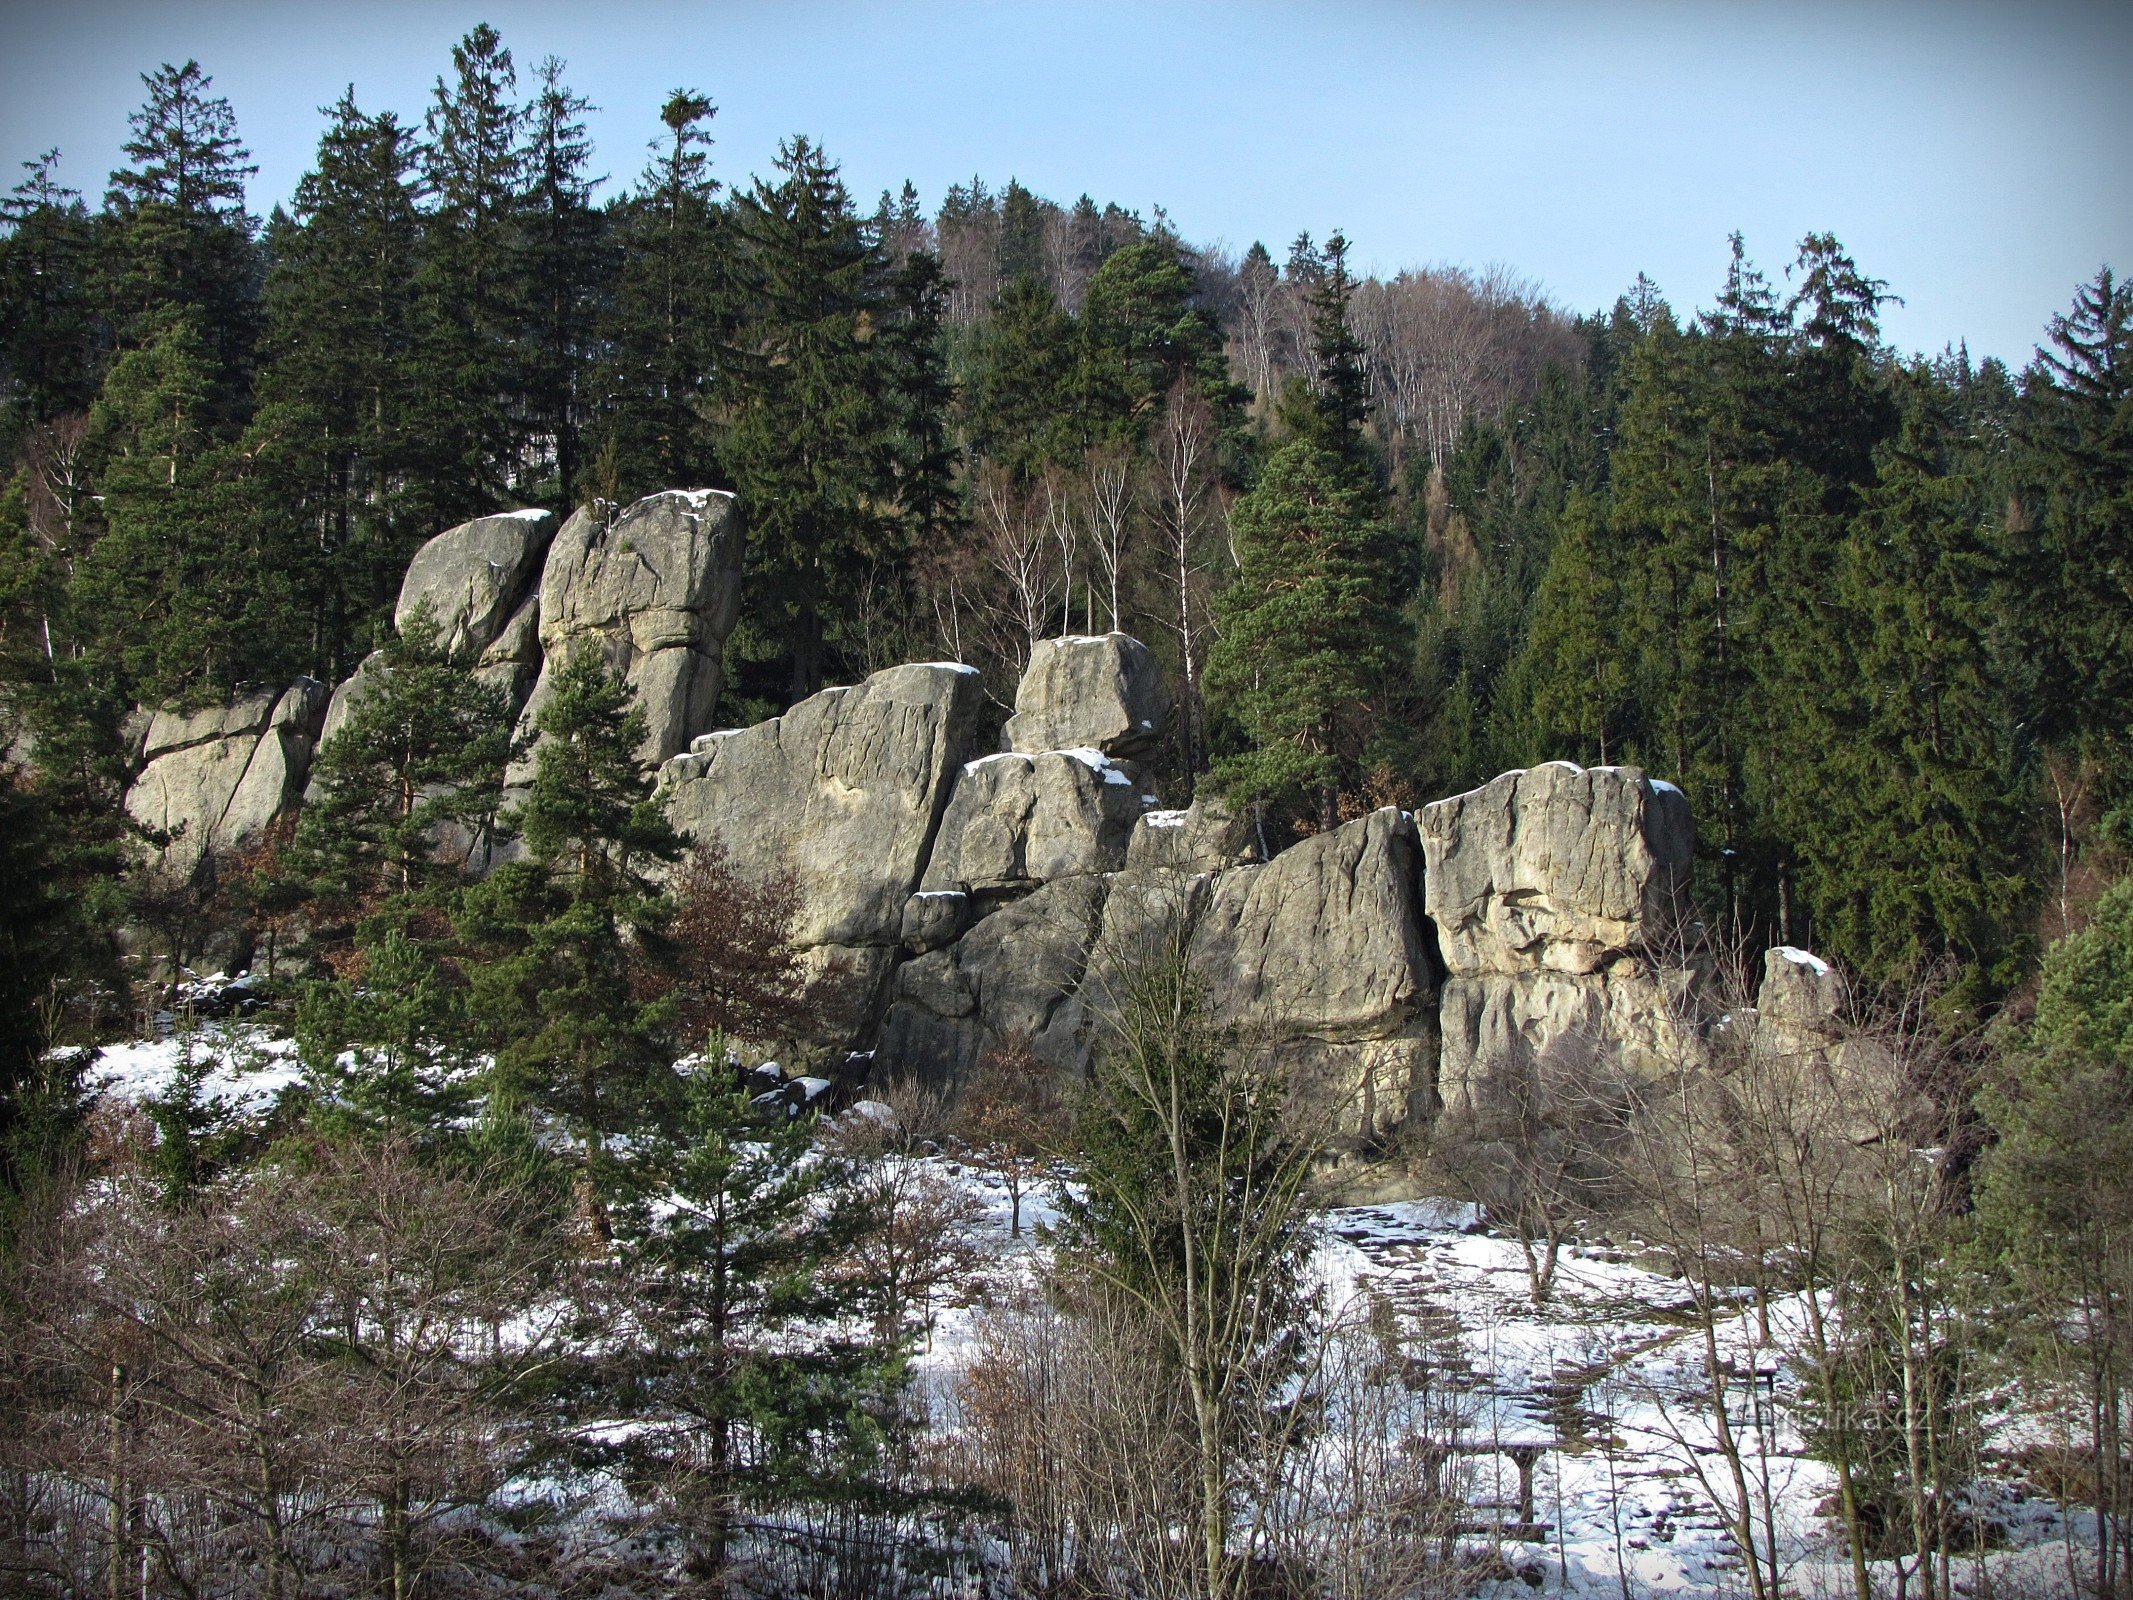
655 427
809 445
418 762
1569 686
923 394
470 294
182 241
752 1388
560 938
1313 641
338 386
48 325
564 271
1020 394
1914 849
387 1046
193 586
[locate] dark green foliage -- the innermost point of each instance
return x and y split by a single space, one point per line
48 305
1023 367
339 383
387 1050
565 270
1313 641
470 290
407 786
655 427
181 238
37 1104
809 444
560 939
732 1226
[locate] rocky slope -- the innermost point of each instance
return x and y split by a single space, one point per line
955 899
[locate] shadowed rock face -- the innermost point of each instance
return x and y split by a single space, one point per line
655 591
476 576
1099 693
215 780
845 792
1557 867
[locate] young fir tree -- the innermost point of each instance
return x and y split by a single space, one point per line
470 304
751 1384
387 1047
1141 333
655 425
561 937
563 269
419 760
339 378
181 239
809 444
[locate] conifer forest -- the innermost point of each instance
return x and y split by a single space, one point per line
712 887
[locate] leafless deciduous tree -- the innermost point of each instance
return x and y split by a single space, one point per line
1183 498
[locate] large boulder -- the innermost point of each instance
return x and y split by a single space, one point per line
655 590
1322 952
1555 868
1205 837
1014 975
844 792
216 779
475 576
1015 821
1102 692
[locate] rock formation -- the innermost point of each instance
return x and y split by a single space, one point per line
215 780
844 792
1100 693
655 590
1559 899
476 576
951 900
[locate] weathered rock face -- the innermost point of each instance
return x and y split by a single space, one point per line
1557 867
1800 992
1016 974
1558 899
1324 949
475 576
1204 837
215 780
1101 693
844 792
1579 1033
1015 821
655 591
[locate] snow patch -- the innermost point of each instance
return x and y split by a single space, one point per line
1803 958
1099 763
1164 819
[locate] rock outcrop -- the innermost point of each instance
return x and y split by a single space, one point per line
1016 821
1322 952
1556 868
215 780
1099 692
476 576
655 590
844 792
1558 897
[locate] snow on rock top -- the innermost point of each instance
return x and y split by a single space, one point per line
1096 761
1803 958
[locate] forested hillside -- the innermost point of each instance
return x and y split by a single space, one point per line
1385 538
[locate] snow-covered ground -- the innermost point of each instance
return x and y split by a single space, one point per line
1600 1387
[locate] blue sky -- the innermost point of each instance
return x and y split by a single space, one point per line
1977 156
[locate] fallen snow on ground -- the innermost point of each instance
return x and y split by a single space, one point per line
1605 1382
